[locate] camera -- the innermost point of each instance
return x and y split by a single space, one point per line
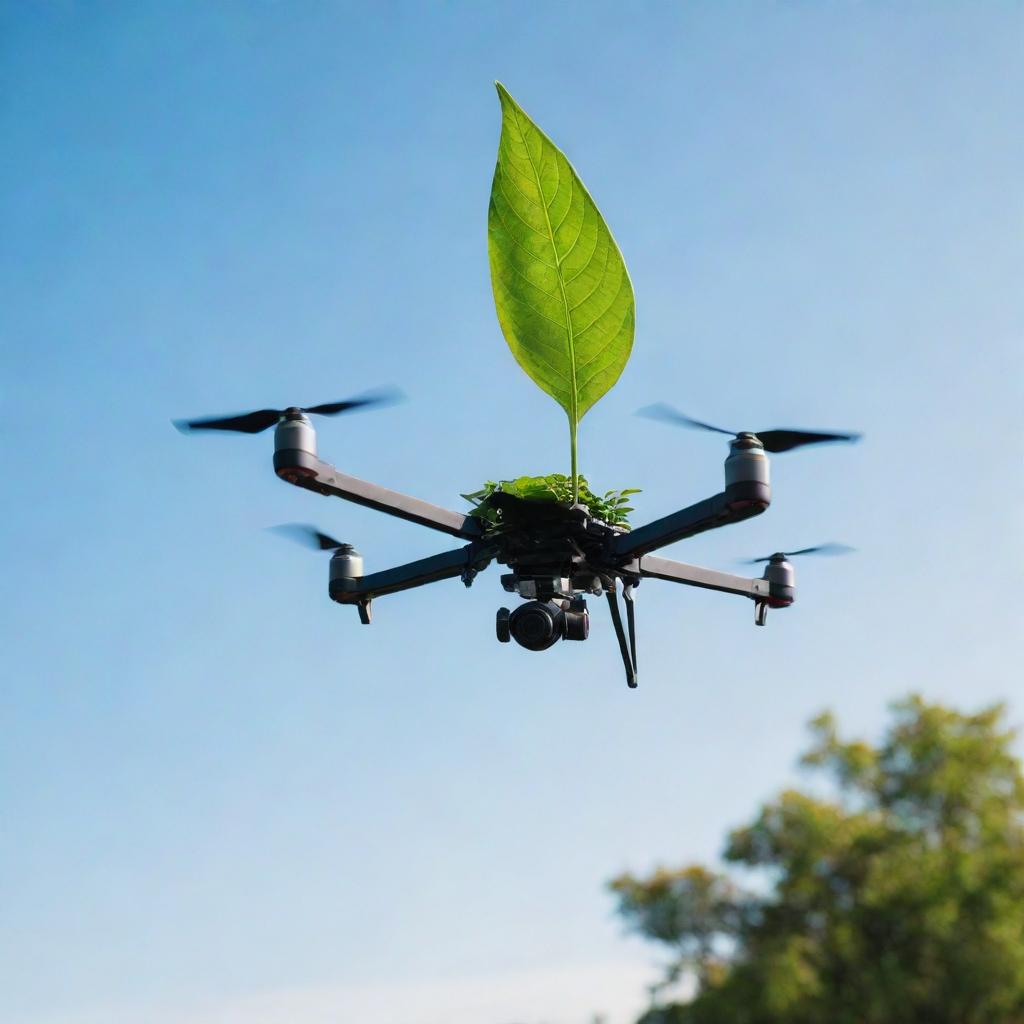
537 625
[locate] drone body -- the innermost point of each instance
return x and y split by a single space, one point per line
556 555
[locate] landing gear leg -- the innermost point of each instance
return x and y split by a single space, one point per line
620 635
627 596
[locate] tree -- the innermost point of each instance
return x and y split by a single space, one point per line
897 899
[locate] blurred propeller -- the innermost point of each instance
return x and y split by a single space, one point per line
261 419
820 549
309 536
774 441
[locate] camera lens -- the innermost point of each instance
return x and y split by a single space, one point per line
536 625
533 627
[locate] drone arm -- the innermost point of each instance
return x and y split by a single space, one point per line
306 470
721 510
652 567
465 562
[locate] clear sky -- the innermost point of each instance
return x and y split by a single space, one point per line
222 799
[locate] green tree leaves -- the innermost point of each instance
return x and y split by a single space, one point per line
613 507
561 289
900 898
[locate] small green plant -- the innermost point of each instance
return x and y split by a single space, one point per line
561 290
612 508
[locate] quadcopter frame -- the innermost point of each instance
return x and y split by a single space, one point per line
555 559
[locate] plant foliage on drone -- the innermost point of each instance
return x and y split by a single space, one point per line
612 508
562 293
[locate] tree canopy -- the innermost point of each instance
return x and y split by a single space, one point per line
895 898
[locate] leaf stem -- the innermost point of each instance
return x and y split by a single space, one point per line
572 449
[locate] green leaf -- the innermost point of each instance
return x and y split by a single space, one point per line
555 487
561 289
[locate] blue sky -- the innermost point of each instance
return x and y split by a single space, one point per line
223 799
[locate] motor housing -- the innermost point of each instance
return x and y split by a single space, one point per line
295 447
345 569
782 578
747 480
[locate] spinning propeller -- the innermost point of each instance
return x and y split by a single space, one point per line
261 419
774 441
820 549
310 537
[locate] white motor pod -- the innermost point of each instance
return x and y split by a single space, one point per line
747 480
346 568
782 579
295 447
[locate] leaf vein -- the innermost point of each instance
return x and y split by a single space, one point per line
520 217
532 308
511 177
600 280
570 344
508 231
568 210
515 270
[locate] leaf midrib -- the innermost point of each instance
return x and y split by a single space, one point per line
574 394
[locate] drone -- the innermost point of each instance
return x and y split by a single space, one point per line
557 555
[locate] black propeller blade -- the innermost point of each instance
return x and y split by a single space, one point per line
774 441
261 419
819 549
309 536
